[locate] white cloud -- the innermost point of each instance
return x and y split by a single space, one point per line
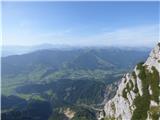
131 36
135 36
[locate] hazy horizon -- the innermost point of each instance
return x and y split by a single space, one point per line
79 46
129 24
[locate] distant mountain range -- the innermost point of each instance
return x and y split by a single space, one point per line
17 50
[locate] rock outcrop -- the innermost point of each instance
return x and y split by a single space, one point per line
138 94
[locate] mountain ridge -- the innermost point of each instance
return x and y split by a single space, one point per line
137 97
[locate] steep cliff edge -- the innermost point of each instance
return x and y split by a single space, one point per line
138 95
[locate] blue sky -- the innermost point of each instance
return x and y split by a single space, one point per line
81 23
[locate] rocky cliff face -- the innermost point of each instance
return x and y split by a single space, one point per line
138 95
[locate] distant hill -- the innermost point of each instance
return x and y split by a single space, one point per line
89 60
82 58
19 50
44 58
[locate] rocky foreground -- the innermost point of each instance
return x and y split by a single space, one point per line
138 95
